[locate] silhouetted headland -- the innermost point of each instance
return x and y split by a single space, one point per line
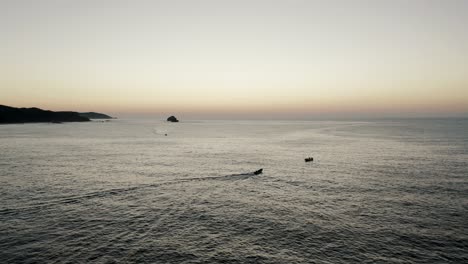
12 115
172 119
94 115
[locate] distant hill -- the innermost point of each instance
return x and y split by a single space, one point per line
10 115
94 115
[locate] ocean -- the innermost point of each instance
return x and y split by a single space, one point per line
378 191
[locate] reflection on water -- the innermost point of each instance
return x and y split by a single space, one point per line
380 191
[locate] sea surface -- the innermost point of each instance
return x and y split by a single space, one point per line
388 191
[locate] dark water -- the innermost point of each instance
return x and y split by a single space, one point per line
122 192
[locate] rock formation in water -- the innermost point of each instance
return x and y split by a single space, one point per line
11 115
172 119
94 115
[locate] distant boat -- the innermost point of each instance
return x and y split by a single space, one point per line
258 172
309 159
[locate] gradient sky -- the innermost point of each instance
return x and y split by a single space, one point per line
237 59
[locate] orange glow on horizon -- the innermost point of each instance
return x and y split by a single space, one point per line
221 59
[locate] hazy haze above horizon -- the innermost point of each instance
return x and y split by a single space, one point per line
235 59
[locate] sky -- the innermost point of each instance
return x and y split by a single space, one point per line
291 59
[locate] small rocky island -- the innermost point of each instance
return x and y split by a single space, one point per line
13 115
172 119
